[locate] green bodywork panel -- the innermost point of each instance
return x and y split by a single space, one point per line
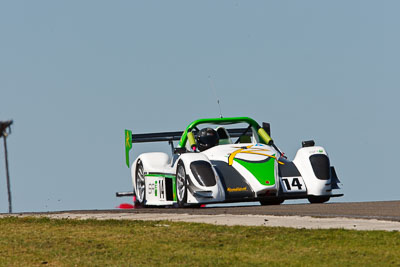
174 187
263 171
161 175
128 145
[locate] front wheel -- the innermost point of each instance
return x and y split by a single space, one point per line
181 185
318 199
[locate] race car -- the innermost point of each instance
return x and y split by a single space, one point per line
222 160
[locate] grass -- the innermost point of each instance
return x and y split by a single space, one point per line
49 242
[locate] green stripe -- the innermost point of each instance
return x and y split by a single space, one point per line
174 188
160 175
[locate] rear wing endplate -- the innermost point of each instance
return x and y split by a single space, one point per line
128 145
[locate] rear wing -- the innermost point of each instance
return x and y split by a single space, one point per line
167 137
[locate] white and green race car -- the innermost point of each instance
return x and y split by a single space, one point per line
223 160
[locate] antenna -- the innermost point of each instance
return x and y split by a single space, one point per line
215 94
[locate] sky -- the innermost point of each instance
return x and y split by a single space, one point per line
75 74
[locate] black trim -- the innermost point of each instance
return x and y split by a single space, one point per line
251 199
288 169
231 179
301 196
180 150
124 194
169 196
308 143
176 136
267 127
203 173
156 137
334 179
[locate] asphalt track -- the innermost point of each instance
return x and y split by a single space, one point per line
380 210
384 215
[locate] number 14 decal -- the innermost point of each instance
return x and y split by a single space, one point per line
293 184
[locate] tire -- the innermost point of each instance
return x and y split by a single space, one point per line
274 201
181 185
318 199
140 191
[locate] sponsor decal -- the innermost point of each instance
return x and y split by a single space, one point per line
316 151
128 137
237 189
162 189
151 188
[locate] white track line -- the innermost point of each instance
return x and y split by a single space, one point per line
306 222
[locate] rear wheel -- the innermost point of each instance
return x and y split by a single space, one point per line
181 185
318 199
274 201
140 191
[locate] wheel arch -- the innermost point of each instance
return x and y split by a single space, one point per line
195 187
315 185
152 162
187 160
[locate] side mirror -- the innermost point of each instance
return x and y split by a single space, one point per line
308 143
267 127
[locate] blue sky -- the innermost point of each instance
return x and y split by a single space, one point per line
75 74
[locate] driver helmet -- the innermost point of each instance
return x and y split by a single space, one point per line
207 138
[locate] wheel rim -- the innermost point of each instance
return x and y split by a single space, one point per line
140 184
180 183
